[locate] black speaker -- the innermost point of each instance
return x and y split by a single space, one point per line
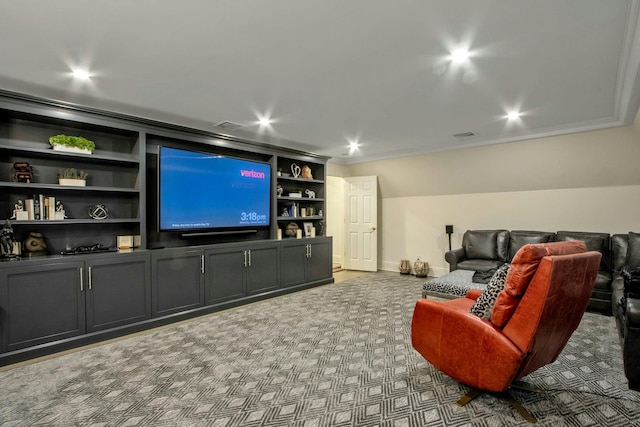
448 229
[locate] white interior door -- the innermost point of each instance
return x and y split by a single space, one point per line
361 224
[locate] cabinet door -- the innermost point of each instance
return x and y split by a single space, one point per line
294 264
178 281
320 260
41 303
118 291
262 269
224 274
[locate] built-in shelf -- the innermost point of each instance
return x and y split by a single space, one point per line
17 148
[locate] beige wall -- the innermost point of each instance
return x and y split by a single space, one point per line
586 181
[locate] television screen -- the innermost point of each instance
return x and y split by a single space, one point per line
201 191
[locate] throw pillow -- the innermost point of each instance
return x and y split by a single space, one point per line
483 306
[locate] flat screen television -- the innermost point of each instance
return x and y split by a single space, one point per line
205 191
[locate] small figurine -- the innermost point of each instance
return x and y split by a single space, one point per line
7 239
22 172
279 190
310 193
306 172
285 212
60 214
17 207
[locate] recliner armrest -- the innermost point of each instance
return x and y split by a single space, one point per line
455 256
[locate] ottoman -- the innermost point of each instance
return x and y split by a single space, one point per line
451 285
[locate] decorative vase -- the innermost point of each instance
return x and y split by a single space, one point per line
405 266
421 268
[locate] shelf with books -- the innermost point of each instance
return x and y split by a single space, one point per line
300 195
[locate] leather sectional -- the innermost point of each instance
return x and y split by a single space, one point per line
483 250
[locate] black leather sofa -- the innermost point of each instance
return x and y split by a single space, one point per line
483 250
625 302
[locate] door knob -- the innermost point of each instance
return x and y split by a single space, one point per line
373 229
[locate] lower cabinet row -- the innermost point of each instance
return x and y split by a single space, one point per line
43 301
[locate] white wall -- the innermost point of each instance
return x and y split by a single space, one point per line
587 181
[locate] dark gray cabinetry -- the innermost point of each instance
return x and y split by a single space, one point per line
239 270
118 290
52 300
306 260
178 280
41 302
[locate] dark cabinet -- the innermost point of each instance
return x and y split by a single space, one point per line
41 302
178 280
237 271
118 291
306 260
45 302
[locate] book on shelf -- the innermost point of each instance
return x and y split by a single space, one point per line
37 207
28 206
49 208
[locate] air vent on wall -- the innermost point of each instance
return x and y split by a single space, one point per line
465 135
227 125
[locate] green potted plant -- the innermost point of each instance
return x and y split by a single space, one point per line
74 144
72 177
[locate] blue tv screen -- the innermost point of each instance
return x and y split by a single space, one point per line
206 191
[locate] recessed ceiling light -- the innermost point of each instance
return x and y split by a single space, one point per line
513 115
265 121
459 55
81 74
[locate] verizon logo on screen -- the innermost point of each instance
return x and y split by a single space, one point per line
252 174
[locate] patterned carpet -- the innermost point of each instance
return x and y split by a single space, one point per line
336 355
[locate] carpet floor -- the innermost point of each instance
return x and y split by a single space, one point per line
335 355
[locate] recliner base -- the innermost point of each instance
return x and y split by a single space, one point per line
474 392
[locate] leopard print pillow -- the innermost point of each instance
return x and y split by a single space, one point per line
487 299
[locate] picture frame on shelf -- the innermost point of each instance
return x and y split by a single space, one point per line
308 226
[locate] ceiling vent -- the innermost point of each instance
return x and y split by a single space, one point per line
464 135
227 125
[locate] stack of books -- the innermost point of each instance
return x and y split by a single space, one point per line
41 208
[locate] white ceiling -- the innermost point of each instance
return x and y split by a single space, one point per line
331 71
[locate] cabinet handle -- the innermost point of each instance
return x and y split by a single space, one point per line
249 257
202 264
309 245
81 279
89 282
245 258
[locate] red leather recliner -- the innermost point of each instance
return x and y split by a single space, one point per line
546 293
